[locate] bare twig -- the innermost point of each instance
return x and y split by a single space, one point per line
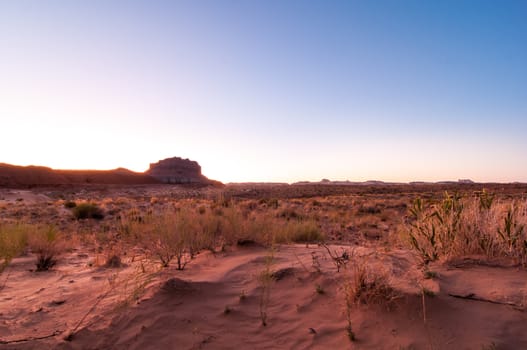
57 332
424 304
300 262
472 296
101 298
339 260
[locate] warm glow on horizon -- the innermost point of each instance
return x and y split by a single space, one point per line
268 91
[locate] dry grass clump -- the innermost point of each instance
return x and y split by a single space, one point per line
457 226
13 239
46 242
265 280
365 286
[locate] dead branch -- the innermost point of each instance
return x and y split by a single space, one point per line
57 332
472 296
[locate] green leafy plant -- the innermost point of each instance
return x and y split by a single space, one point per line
512 231
422 233
485 200
432 230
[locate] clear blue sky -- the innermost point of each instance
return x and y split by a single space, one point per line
268 90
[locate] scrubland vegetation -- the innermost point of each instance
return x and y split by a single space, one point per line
456 226
173 231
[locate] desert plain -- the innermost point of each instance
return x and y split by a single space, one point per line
262 266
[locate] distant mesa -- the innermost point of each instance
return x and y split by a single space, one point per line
465 181
170 171
177 171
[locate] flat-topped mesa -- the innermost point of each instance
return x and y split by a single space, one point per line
177 170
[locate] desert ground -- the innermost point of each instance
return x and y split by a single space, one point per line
423 266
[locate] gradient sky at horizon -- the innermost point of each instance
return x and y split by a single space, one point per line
275 90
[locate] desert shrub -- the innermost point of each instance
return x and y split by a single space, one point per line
273 203
70 204
209 230
163 240
307 231
234 226
369 209
289 213
170 235
46 243
88 211
13 238
316 203
250 205
187 226
298 231
202 209
131 226
258 229
269 202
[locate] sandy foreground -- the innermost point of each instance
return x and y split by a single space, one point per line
215 303
218 300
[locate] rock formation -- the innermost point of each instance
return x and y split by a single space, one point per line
177 171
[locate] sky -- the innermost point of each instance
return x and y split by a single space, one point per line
274 90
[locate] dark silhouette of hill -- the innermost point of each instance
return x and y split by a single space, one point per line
14 176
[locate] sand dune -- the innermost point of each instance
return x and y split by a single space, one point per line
215 304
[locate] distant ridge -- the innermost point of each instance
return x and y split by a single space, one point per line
14 175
